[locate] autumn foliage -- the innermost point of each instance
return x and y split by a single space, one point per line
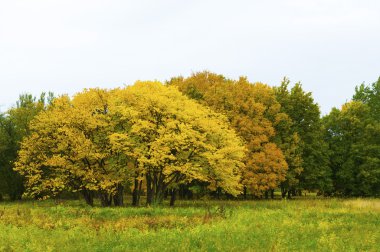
254 112
102 140
205 135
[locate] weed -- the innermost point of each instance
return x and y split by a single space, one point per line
297 225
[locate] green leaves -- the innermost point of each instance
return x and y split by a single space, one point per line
205 130
14 126
301 139
353 135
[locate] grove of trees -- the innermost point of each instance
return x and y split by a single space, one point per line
201 136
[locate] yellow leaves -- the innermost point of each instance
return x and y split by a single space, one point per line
122 142
169 132
69 143
103 137
265 170
253 111
55 160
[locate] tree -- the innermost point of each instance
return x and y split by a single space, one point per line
353 136
253 111
369 95
308 157
68 150
173 140
4 155
14 126
99 141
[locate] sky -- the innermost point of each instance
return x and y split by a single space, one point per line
330 46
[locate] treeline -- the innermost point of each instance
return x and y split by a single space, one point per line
204 135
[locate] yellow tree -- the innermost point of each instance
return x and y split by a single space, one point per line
254 112
69 150
173 140
100 140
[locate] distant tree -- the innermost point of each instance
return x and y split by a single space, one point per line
353 133
308 163
14 126
6 152
354 139
370 95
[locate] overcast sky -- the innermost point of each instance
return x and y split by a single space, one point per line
64 46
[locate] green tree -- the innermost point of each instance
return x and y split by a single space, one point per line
9 182
308 160
14 126
353 136
370 95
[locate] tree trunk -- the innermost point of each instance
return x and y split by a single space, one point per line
173 197
228 196
135 194
88 197
294 192
15 196
118 198
160 192
156 190
299 192
139 193
180 192
289 194
245 192
159 197
266 194
218 193
105 199
1 197
190 194
272 194
283 192
149 191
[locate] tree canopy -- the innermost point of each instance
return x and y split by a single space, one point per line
253 111
308 157
101 139
353 133
14 126
205 135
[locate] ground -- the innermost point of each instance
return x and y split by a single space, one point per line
263 225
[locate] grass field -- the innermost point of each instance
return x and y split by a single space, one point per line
301 225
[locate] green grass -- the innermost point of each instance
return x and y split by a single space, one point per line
296 225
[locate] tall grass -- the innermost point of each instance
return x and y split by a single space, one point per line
301 225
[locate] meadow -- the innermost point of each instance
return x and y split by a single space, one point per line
262 225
